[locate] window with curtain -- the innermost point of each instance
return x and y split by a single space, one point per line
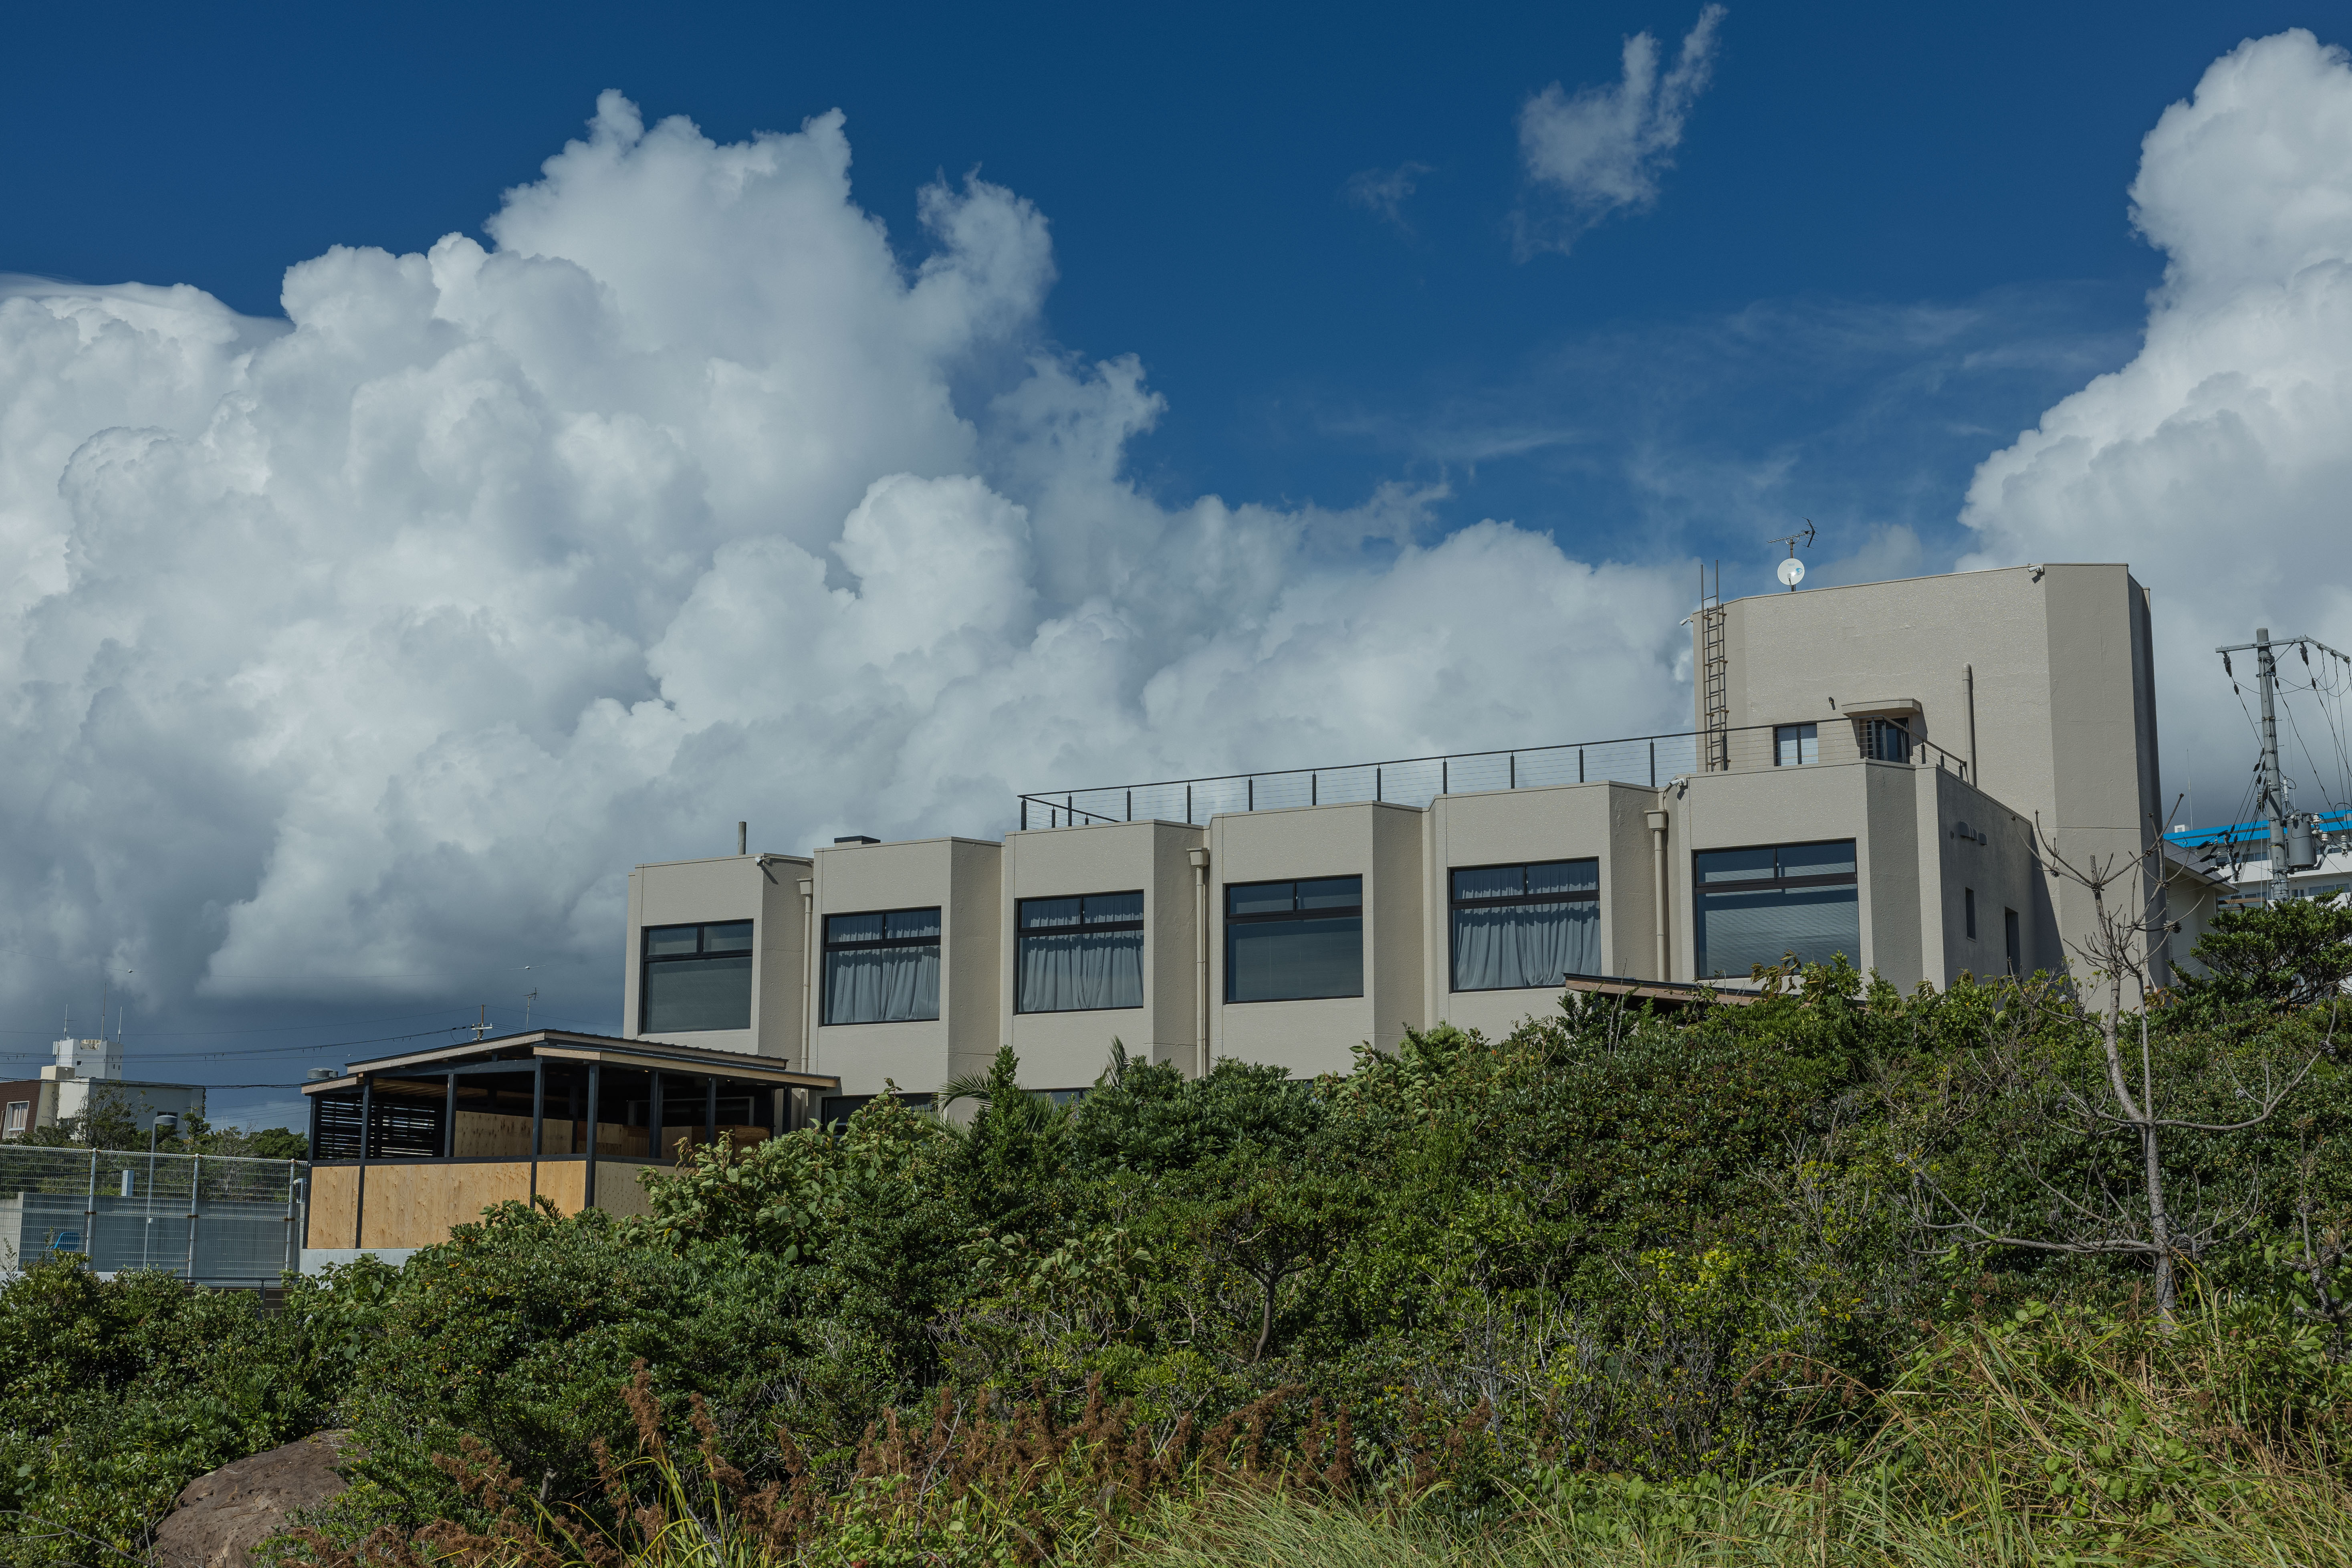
1521 926
1290 942
1079 955
695 978
1764 904
883 967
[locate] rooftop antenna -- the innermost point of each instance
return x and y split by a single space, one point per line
1792 571
483 1028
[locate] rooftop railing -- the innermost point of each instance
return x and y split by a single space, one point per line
1648 761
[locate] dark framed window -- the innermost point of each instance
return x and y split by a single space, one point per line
1761 905
695 978
1794 745
1885 740
1294 941
1969 898
1082 954
835 1108
1516 927
882 967
2012 941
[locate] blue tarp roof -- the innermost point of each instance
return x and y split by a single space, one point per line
2250 832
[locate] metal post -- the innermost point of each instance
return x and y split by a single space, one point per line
1025 813
1514 771
655 1131
595 1111
1188 805
2266 669
293 1187
1376 785
449 1119
89 1214
710 1111
1654 764
1579 764
538 1117
359 1195
196 1186
1311 779
1445 775
1130 805
1249 787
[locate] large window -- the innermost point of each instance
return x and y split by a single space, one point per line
1521 926
1761 905
695 978
1287 941
1080 954
882 968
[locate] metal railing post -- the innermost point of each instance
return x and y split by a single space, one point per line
293 1189
596 1120
1579 764
1654 764
1376 786
1025 813
1445 775
358 1196
1130 805
90 1216
1514 775
196 1186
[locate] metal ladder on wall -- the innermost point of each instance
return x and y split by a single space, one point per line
1715 694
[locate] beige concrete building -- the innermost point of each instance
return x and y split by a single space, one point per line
1867 777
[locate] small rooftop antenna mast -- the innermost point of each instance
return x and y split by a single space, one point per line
1792 571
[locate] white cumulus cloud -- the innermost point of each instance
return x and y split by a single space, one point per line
2219 461
1604 149
378 641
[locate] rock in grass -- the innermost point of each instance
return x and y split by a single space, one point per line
220 1518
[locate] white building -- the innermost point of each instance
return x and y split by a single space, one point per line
1875 771
85 1067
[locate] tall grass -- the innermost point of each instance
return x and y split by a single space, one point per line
2058 1437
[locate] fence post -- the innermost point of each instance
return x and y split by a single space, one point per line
293 1191
1515 770
90 1216
195 1184
1654 764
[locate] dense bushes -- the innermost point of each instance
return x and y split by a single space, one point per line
1612 1244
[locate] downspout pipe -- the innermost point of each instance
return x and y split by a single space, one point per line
1200 859
1657 821
808 963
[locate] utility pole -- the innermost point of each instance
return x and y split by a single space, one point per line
2283 824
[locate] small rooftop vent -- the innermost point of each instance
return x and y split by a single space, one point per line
857 839
321 1075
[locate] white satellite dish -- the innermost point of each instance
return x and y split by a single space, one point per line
1792 571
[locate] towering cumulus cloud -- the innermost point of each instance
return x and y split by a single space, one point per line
2218 462
379 640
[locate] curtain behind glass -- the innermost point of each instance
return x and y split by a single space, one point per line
1068 971
882 985
1516 946
1737 931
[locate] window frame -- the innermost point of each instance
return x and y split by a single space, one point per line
646 961
1778 883
1968 902
827 946
19 1118
1021 933
1294 915
1802 734
1452 903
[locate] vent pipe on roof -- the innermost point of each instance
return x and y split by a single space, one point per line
742 837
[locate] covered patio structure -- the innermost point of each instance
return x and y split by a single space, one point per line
403 1148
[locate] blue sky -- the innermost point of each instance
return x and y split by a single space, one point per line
1947 188
1879 244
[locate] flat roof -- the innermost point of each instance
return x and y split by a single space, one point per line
565 1045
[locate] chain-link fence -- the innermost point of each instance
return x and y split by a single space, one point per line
209 1218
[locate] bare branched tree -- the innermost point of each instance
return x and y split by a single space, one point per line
2115 962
